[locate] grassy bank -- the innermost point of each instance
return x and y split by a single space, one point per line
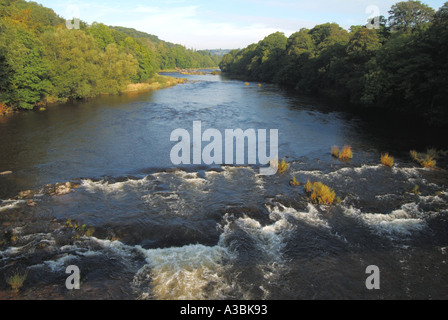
156 82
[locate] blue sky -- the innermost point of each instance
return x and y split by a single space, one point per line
214 24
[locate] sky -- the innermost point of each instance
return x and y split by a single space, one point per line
216 24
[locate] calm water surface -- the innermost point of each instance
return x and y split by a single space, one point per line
159 231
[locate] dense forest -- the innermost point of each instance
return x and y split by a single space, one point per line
399 64
41 59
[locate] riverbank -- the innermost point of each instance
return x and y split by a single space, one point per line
155 83
196 71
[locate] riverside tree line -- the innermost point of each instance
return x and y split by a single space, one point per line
401 65
42 60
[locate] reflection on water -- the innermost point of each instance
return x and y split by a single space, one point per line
219 232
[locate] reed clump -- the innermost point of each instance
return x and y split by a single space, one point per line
345 154
320 193
387 160
335 151
16 281
426 160
294 182
282 167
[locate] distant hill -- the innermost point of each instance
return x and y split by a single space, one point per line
219 52
138 34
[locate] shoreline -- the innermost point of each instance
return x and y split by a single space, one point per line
193 71
157 82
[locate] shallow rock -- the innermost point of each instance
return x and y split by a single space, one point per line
27 194
31 203
62 189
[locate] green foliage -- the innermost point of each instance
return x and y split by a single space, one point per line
41 58
401 66
407 15
102 34
74 63
24 73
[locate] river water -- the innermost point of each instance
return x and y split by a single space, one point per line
166 232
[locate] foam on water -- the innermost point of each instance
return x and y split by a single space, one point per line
110 188
196 272
59 264
311 216
186 273
10 252
10 204
190 177
401 222
364 169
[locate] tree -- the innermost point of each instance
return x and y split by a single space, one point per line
299 49
268 56
117 69
102 34
328 34
147 60
362 47
407 15
74 62
24 73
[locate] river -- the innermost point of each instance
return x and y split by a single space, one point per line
139 227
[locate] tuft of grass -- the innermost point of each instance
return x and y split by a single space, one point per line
320 193
15 236
294 182
346 153
414 155
308 186
426 160
335 151
282 167
416 190
429 162
80 230
16 281
387 160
